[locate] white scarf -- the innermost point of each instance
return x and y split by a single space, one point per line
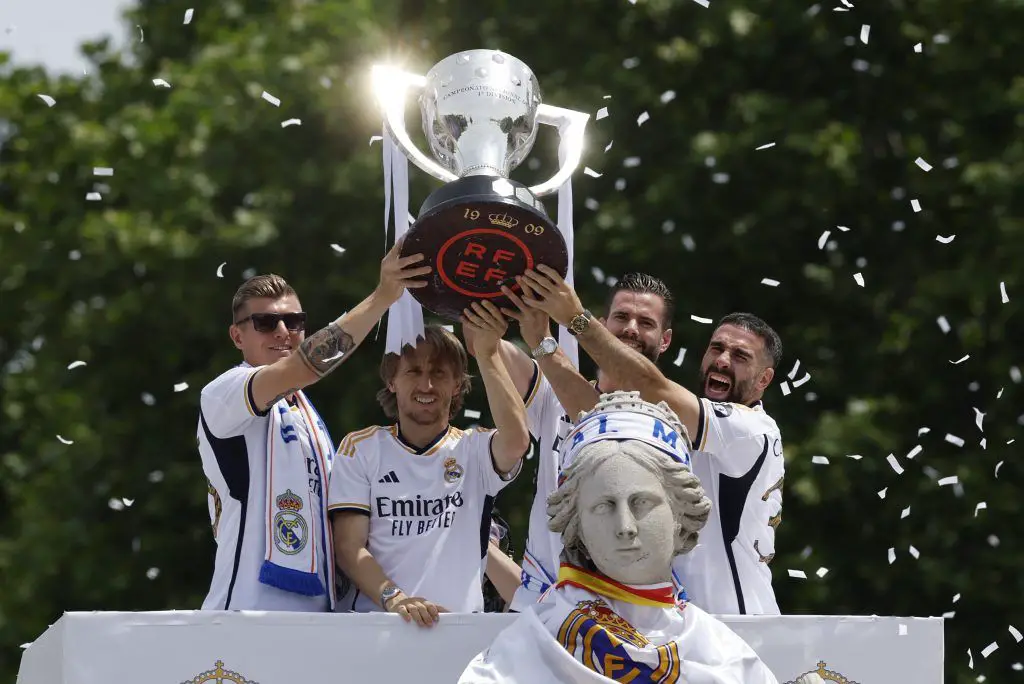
294 552
589 629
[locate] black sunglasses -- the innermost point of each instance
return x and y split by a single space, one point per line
267 322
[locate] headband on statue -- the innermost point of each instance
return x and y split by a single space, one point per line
625 416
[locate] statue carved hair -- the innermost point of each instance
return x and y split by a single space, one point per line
690 506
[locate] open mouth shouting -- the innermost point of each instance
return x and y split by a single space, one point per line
717 386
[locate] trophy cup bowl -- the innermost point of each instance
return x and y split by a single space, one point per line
480 110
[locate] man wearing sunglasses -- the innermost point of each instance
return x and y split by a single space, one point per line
267 453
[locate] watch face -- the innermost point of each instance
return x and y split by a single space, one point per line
549 345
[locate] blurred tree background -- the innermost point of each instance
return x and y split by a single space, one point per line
896 314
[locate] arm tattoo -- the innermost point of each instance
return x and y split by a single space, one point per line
326 349
288 393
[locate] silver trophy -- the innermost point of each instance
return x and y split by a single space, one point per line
480 111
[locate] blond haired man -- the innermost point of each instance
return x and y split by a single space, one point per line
266 452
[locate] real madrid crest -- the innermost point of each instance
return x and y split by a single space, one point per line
290 531
219 675
821 676
452 470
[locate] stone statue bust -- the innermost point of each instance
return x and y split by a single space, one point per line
626 506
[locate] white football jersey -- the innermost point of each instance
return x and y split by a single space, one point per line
430 511
738 458
232 437
548 426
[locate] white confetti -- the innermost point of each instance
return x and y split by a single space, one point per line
591 172
821 572
608 146
153 573
979 418
945 239
142 35
765 146
785 388
1005 298
823 239
102 171
983 443
905 513
855 457
918 47
915 451
471 414
843 229
949 615
914 552
115 505
298 122
64 441
220 270
338 249
93 197
903 630
698 319
680 356
961 359
999 394
47 99
820 460
667 96
882 493
75 364
922 164
188 20
798 574
601 113
923 431
892 555
796 367
895 464
859 279
127 502
375 138
1015 634
943 324
953 439
642 119
998 466
990 649
981 507
271 99
915 205
161 82
865 31
955 598
797 383
703 3
952 479
769 282
180 387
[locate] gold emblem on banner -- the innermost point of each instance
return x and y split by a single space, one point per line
821 676
219 675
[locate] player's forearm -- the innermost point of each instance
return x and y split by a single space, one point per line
507 410
503 572
362 568
574 392
329 347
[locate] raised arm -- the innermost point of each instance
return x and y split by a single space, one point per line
626 367
512 439
574 392
326 349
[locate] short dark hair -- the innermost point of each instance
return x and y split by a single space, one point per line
751 323
445 348
644 283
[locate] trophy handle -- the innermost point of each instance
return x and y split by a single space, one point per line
571 125
390 86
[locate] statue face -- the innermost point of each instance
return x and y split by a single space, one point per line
626 522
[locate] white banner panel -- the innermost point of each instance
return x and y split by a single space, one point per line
193 647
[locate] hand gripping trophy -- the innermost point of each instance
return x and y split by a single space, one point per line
480 111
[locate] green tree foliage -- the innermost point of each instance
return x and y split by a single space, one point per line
205 174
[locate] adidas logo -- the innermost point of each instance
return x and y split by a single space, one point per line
390 478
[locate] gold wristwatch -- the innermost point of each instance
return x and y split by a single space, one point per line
580 322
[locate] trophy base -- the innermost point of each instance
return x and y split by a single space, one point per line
478 233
